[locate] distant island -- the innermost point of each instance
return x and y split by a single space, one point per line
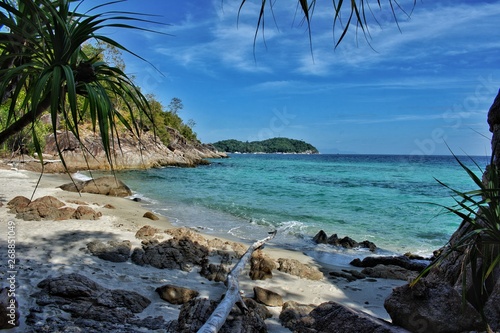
269 146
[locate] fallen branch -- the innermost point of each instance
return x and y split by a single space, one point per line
218 317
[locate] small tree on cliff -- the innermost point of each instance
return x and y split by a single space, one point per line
43 68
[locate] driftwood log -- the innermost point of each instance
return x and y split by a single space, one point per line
218 317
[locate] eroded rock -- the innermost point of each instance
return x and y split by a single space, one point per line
176 295
113 251
333 317
267 297
431 307
295 267
84 298
196 312
174 253
107 185
261 266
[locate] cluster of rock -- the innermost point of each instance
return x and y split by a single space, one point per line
129 152
95 308
346 242
49 208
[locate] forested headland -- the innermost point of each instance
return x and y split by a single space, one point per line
269 146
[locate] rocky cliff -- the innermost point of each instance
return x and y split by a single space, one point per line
128 152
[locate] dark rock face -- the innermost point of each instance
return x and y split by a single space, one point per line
293 312
433 303
176 295
196 312
107 185
390 272
335 318
112 251
261 266
213 272
321 237
492 309
174 253
431 307
83 298
295 267
346 242
349 275
401 261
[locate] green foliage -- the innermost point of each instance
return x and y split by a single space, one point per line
480 242
275 145
168 118
43 67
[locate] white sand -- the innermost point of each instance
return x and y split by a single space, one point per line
52 248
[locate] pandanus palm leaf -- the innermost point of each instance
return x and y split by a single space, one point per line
43 67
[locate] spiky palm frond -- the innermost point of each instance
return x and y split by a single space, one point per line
479 241
41 56
357 12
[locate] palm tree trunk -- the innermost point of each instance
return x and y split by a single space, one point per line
25 120
494 122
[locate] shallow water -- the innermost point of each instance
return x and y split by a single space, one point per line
389 200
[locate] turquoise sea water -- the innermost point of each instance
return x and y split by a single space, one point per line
381 198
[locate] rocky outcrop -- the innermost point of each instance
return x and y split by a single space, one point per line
295 267
48 208
390 272
83 298
267 297
322 238
174 253
261 266
293 312
112 251
147 232
332 317
400 261
176 295
432 307
435 304
213 272
128 152
196 312
107 185
151 216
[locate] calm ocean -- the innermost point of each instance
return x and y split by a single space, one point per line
381 198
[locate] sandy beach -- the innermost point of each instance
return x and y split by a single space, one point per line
52 248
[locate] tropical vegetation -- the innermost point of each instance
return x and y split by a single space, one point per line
54 61
479 238
275 145
45 69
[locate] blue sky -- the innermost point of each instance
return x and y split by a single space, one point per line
404 92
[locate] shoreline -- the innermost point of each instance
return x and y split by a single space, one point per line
52 248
